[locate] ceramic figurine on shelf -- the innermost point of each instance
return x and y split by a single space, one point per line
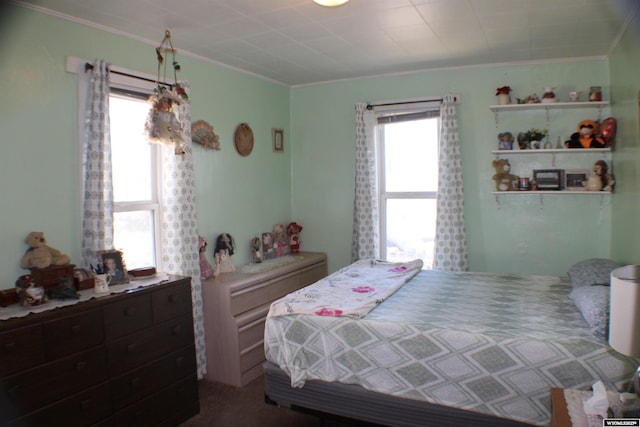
223 251
548 95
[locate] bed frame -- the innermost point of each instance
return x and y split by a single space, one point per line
354 402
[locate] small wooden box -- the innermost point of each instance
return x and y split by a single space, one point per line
8 297
49 277
84 283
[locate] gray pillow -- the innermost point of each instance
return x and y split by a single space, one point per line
593 303
593 271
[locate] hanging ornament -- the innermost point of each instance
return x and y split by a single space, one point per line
163 124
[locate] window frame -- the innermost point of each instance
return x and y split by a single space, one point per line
142 92
395 115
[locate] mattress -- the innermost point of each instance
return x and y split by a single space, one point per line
483 342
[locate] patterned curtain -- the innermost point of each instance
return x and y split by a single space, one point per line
180 252
451 242
365 241
97 212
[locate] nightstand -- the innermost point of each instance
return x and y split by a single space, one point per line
559 412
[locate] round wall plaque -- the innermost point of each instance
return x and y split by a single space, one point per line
243 139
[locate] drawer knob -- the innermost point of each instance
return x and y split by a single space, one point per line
177 329
10 346
136 382
173 298
75 329
129 311
131 348
86 404
180 361
81 366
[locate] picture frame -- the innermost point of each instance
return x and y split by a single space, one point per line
113 265
548 179
574 179
277 139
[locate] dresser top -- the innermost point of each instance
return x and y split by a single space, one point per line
16 311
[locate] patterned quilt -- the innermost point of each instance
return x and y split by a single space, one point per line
491 343
352 291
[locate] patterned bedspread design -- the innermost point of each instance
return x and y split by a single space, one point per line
483 342
352 291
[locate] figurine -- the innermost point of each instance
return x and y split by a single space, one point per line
293 230
206 270
255 250
279 240
223 251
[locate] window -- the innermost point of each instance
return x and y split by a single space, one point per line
408 184
135 180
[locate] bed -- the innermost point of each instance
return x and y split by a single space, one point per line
442 348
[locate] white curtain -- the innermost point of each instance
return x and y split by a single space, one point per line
180 252
97 213
451 242
365 239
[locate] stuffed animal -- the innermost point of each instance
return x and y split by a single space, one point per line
206 270
256 245
293 230
39 255
505 141
588 136
225 247
503 177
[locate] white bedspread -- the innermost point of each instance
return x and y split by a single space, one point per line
352 291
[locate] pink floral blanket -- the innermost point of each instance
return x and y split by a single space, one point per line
352 291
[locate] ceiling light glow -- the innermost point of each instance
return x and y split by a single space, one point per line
331 3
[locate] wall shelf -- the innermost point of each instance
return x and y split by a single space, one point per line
553 151
549 106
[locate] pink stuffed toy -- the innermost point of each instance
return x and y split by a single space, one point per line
206 270
293 230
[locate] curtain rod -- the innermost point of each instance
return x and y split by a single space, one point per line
371 106
88 66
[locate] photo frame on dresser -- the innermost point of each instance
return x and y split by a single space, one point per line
114 267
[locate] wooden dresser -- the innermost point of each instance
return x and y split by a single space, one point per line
125 359
235 308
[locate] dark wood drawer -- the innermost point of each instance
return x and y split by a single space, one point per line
164 408
72 334
142 347
137 385
82 409
172 301
127 316
20 349
35 388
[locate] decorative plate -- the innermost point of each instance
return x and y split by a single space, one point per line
202 133
243 139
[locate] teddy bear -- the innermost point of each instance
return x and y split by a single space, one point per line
503 177
588 136
39 255
505 141
293 230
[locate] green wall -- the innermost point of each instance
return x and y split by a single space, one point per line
312 182
40 185
520 233
625 88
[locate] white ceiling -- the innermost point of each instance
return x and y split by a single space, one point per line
297 42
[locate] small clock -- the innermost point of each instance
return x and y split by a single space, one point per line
243 139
